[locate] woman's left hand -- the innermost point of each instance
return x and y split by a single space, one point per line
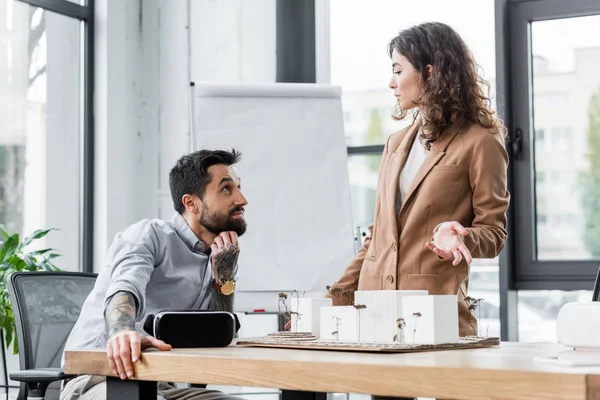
448 243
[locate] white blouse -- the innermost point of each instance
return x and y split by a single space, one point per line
416 156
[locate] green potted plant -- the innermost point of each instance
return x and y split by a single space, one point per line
14 257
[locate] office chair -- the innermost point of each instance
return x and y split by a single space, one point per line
596 295
46 306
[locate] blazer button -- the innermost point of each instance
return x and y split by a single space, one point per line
390 279
394 246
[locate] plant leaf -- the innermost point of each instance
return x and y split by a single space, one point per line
8 248
4 231
9 334
19 265
30 263
14 260
39 252
35 235
15 346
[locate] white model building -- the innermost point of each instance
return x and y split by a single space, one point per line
308 315
383 308
431 319
374 318
339 323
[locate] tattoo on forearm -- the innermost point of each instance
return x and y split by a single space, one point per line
220 302
226 261
120 313
224 264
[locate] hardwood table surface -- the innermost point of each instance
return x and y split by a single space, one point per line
504 372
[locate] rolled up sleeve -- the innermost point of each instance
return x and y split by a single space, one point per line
133 256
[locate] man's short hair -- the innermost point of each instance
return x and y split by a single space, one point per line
190 174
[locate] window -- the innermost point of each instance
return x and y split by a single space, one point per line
555 259
539 138
552 99
562 138
538 310
564 167
540 177
42 115
564 148
362 170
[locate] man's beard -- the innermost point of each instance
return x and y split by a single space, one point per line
217 223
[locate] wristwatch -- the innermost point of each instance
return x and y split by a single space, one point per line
226 288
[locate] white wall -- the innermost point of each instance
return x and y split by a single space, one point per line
125 143
143 69
231 41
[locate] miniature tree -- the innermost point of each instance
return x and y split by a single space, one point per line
399 336
281 303
359 308
295 320
341 297
338 323
296 295
283 310
416 318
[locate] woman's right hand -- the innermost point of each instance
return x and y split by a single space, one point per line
448 244
123 350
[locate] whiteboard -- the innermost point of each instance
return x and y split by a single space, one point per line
294 173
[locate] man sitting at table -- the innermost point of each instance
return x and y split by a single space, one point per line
156 265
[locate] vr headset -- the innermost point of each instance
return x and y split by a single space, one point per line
193 329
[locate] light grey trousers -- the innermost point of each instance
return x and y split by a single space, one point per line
91 387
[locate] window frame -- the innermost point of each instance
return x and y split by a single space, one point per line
529 272
85 14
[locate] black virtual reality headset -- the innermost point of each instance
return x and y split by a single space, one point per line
193 329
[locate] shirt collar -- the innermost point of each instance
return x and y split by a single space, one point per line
187 234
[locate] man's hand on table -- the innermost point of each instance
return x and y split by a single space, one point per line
124 344
124 348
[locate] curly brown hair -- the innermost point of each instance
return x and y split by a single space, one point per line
454 91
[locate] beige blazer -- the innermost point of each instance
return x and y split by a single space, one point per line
463 179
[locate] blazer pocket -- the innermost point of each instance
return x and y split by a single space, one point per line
445 168
433 283
367 281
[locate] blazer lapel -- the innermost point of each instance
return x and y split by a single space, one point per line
433 157
397 161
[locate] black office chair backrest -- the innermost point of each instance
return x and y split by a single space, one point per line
46 306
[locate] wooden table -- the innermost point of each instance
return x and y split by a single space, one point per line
505 372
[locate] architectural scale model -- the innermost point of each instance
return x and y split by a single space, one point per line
390 317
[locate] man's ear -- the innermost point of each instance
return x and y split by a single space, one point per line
190 203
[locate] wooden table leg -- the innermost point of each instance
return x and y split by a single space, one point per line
117 389
302 395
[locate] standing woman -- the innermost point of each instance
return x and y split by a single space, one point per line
441 191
